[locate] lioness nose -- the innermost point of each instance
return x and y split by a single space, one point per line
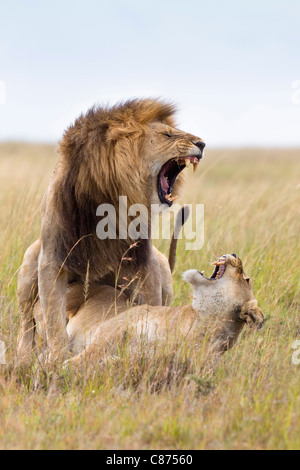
200 145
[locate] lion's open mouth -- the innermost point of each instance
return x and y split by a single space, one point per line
168 174
220 268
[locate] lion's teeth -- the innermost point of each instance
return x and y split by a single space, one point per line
170 198
195 167
187 162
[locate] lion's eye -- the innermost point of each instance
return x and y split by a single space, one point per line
167 134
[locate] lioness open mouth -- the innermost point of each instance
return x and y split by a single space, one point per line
220 268
168 174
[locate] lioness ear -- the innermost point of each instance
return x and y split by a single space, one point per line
252 314
192 276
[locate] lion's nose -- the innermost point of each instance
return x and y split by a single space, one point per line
200 145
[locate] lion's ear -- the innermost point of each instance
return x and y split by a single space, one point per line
117 131
252 314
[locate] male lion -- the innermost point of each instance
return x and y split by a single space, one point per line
222 305
131 150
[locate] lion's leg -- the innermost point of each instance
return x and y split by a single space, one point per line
97 351
92 355
27 293
52 292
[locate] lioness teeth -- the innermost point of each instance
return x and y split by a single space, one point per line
195 167
187 162
219 263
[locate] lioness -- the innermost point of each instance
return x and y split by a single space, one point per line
132 150
221 306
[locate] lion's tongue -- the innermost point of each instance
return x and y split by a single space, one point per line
164 184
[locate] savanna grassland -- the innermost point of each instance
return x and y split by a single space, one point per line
251 400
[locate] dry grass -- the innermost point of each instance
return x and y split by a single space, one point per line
251 401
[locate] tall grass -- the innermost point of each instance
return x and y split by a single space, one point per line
251 400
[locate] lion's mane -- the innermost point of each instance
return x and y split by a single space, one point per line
99 161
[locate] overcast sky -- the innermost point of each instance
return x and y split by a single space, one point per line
229 65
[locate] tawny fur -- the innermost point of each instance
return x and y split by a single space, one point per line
79 292
106 154
102 321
